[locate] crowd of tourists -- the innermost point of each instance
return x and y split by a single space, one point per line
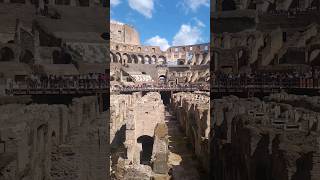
37 81
155 85
285 79
294 11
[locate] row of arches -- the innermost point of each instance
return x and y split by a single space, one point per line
7 54
126 58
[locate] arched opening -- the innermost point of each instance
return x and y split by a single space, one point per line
180 62
118 58
141 59
153 59
41 138
105 36
6 54
61 58
135 59
162 79
27 57
53 139
126 59
148 60
67 58
129 59
161 60
111 57
147 146
165 96
56 57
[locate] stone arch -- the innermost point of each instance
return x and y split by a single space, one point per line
118 59
181 61
126 58
27 57
154 59
54 140
113 57
206 58
148 59
146 149
135 59
42 136
67 58
199 59
56 57
162 60
141 59
6 54
162 79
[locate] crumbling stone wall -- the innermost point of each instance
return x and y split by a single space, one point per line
271 139
61 142
138 118
193 113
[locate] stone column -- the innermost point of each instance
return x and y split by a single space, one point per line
160 150
138 150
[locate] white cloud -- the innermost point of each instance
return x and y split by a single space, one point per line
114 2
199 23
193 5
187 35
158 41
145 7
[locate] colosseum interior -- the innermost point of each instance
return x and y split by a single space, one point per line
265 90
51 126
160 115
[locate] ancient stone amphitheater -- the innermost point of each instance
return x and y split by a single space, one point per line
60 137
156 135
129 59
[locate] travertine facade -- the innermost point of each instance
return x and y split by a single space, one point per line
52 37
253 35
123 33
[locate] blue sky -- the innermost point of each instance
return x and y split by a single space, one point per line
165 23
